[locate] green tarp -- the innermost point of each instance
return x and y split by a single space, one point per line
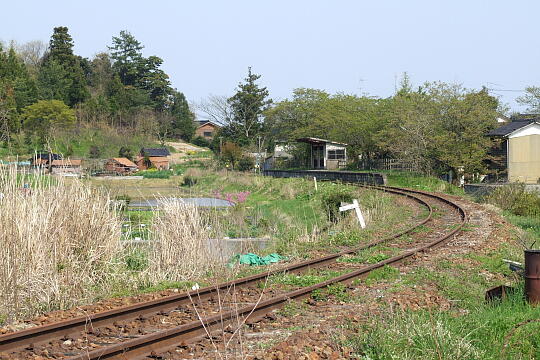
254 259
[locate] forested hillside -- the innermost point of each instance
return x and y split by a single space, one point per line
52 98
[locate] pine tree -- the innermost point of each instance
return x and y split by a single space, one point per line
248 105
62 69
140 72
156 82
17 90
183 125
61 47
127 55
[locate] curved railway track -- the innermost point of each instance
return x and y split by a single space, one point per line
180 319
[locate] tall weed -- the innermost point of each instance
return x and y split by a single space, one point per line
58 244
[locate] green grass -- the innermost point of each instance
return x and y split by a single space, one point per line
480 334
155 174
385 273
302 280
530 225
337 291
370 256
421 182
292 308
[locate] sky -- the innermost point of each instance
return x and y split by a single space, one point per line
355 47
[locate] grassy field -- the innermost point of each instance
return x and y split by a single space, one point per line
282 208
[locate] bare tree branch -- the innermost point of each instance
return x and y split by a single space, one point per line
216 108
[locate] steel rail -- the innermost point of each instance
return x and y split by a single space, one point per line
67 328
165 340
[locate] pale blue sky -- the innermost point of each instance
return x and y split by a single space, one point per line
339 46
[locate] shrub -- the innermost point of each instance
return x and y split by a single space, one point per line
125 152
231 153
516 199
246 163
155 174
189 180
200 141
94 152
332 197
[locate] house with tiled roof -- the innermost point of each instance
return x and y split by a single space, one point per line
207 129
120 166
517 149
157 158
44 159
66 167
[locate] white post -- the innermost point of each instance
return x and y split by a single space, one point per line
356 206
359 214
315 181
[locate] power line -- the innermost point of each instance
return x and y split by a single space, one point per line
510 90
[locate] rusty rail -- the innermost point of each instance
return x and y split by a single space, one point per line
66 328
136 348
163 341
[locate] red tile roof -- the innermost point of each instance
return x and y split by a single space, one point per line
125 162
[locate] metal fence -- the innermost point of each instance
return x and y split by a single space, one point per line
347 176
389 164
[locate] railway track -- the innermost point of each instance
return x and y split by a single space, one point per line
147 329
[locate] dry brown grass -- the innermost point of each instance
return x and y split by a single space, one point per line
58 244
181 249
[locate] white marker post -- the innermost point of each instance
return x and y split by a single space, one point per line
356 207
315 181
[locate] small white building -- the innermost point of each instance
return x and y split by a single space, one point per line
326 154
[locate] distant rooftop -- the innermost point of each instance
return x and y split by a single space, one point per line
152 152
515 124
313 140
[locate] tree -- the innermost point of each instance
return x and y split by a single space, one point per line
531 99
45 115
62 77
314 113
139 72
125 152
17 90
155 82
248 105
216 108
31 53
464 118
54 82
231 154
61 46
440 127
101 73
127 55
94 152
183 123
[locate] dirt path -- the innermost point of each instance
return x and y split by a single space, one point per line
181 150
